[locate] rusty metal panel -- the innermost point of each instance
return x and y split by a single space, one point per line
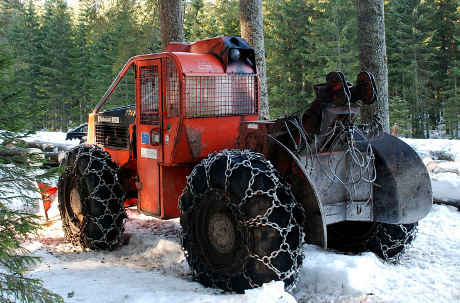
252 136
348 211
336 178
207 135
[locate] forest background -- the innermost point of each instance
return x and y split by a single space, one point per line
64 58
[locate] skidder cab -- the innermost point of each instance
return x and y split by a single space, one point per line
248 192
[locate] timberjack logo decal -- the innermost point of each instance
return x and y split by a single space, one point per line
108 119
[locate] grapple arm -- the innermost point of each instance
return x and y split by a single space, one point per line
339 171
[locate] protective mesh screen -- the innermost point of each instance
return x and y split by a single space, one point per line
109 135
208 96
172 89
150 95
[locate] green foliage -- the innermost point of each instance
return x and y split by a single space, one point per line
64 65
290 54
324 40
399 116
7 93
15 227
446 14
421 48
56 55
206 19
16 184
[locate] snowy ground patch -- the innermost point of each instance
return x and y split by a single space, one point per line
436 148
151 266
52 137
427 273
442 159
446 187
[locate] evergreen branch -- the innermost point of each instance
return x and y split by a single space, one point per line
16 288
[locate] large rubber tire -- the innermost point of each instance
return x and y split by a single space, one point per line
241 225
91 199
387 241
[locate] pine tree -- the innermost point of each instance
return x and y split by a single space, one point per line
172 22
252 30
87 17
206 19
21 33
410 60
56 52
373 56
444 17
15 225
335 34
399 114
290 53
193 20
451 88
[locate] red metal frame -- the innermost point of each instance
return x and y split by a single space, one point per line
202 99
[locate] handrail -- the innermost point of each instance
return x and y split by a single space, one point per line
117 80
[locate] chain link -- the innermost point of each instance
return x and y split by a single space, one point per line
252 162
94 171
340 137
392 244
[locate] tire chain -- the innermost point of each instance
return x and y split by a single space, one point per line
409 235
97 155
296 254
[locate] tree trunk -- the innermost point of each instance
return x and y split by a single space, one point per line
252 30
372 55
172 23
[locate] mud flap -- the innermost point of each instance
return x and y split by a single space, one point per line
402 190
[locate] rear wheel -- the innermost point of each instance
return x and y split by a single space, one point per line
241 226
387 241
91 199
390 241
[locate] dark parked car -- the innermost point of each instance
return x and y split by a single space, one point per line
78 132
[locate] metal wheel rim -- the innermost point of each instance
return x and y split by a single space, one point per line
221 233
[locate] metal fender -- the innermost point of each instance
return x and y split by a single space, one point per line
295 173
402 190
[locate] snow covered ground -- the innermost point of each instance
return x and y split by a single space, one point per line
52 137
442 159
150 265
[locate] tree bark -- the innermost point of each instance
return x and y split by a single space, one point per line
252 30
373 55
171 21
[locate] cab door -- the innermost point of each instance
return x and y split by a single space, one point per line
149 96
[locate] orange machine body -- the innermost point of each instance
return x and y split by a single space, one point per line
190 101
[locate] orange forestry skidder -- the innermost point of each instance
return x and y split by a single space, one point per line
249 192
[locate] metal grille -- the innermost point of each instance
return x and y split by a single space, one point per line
208 96
110 135
150 95
172 89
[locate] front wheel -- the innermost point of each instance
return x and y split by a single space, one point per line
91 199
241 226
